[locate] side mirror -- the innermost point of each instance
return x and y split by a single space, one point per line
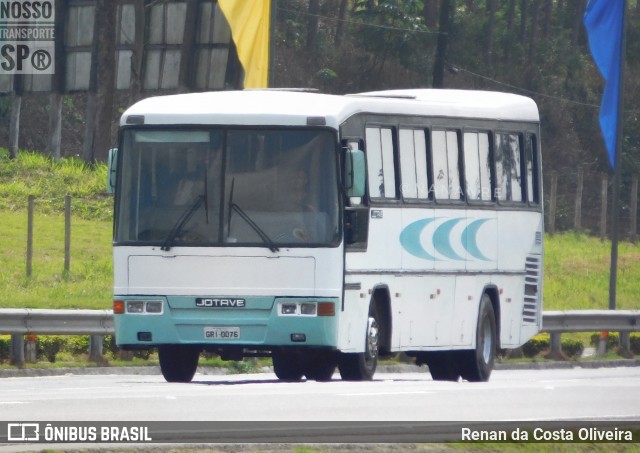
111 172
356 227
354 173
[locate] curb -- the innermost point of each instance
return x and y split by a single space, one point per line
394 368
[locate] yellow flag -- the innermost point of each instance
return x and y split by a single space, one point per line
249 21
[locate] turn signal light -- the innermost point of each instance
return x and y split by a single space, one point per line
326 309
118 307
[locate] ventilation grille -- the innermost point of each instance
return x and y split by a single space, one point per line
531 307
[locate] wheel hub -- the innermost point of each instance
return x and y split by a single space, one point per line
372 338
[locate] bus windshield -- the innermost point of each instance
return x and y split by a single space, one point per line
215 186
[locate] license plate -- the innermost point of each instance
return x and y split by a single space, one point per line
222 333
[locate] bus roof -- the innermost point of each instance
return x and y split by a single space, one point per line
300 108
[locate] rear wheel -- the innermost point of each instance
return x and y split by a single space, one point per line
443 365
178 363
362 366
477 364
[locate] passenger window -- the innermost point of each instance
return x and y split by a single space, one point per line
380 162
532 169
508 167
446 172
477 166
413 164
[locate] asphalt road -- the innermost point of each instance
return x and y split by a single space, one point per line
567 394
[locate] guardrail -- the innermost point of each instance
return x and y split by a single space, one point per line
97 323
26 321
622 321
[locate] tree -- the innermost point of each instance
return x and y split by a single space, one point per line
340 26
393 31
443 37
312 24
101 92
488 51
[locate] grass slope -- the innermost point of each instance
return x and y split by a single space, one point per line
577 273
576 265
88 284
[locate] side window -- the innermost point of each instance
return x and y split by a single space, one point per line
477 166
413 164
446 170
380 162
508 167
531 153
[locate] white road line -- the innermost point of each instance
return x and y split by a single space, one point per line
385 393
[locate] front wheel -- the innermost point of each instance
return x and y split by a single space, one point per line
362 366
477 364
178 363
287 365
320 365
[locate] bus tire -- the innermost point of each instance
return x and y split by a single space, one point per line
320 365
362 366
477 364
287 365
178 363
443 366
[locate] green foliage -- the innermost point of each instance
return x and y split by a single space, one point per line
245 366
613 339
68 347
392 29
635 343
5 348
572 347
541 343
326 75
50 346
109 346
77 344
536 345
291 31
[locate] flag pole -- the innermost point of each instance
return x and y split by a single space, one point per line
617 170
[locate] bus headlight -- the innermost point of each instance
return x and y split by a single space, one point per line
153 306
306 309
135 306
288 309
138 307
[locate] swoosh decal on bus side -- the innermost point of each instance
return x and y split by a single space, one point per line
411 242
410 239
470 239
442 239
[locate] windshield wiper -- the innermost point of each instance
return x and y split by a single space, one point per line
181 222
234 207
265 238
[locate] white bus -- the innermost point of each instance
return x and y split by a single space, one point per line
328 231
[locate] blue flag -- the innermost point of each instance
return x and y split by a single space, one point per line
604 21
